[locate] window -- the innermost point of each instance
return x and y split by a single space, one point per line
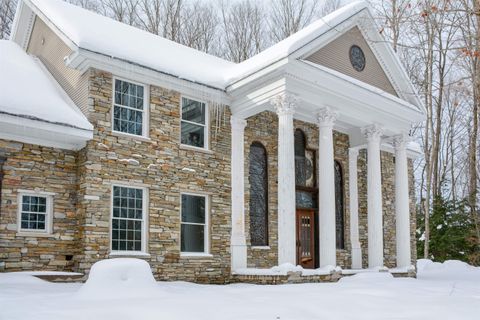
339 207
305 196
128 219
194 120
258 178
194 233
35 213
129 108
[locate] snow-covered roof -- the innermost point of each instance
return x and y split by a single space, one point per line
102 35
27 91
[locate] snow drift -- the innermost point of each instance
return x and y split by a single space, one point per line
119 278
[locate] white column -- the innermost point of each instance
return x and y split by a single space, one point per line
326 189
353 186
285 107
237 241
402 206
373 134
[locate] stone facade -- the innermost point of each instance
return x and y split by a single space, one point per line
40 169
82 184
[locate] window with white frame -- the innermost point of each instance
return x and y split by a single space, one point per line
129 108
128 218
194 123
194 225
35 213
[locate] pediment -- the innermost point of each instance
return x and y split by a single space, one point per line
335 55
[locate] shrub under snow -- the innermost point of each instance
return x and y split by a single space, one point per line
120 277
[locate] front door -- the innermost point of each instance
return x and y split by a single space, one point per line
305 238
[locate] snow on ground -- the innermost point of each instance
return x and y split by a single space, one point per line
442 291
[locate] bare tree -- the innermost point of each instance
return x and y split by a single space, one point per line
122 10
7 12
243 30
199 23
289 16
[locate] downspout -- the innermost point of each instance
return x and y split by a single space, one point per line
2 161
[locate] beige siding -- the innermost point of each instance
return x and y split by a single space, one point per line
51 50
336 56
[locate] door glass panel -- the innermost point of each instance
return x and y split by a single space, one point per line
304 199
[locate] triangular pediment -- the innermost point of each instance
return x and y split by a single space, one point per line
336 56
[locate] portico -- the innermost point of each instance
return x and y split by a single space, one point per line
375 120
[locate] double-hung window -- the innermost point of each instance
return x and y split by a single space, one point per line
35 213
128 219
194 123
129 112
194 224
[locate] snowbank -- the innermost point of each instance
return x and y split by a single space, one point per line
448 270
119 278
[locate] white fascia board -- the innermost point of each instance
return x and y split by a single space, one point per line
72 45
84 59
22 25
43 133
381 49
354 100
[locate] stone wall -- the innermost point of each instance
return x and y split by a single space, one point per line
263 128
388 198
41 169
166 169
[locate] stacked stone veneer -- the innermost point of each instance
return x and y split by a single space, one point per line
41 169
263 128
82 181
166 169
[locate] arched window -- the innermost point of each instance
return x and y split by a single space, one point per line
258 177
339 206
300 159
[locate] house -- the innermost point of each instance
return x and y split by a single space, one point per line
117 142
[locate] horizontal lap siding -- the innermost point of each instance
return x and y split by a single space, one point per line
51 50
336 56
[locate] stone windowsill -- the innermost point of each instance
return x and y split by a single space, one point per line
191 148
193 255
34 234
261 248
129 254
133 136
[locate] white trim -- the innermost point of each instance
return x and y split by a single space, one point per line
145 205
145 111
206 230
48 214
206 126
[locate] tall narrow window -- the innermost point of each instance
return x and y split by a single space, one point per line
339 207
194 123
258 178
304 172
194 231
128 219
128 109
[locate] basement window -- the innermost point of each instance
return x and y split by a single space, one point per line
34 213
129 108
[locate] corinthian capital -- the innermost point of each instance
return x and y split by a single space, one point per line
372 132
326 117
400 141
237 123
285 103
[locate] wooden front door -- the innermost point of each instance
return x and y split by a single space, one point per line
305 238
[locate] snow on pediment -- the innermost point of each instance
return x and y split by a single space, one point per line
336 56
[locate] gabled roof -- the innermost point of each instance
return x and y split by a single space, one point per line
29 92
99 35
33 107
